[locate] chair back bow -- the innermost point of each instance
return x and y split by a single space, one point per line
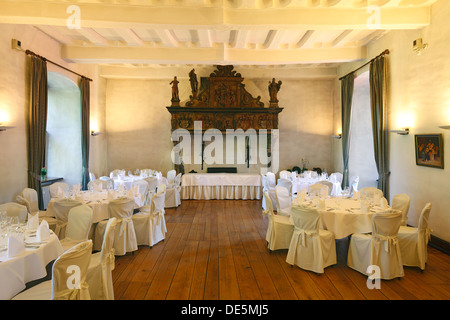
389 241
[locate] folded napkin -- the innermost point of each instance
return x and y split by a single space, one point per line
364 206
76 188
356 195
16 245
33 221
43 231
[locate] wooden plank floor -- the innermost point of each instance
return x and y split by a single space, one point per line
216 250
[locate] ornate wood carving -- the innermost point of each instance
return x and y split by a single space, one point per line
222 102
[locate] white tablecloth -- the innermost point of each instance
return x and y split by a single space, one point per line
127 181
15 272
343 217
221 186
98 201
304 183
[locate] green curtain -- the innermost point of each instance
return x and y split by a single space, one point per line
347 84
37 123
378 89
85 129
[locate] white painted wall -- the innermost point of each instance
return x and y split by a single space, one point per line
419 98
14 101
139 129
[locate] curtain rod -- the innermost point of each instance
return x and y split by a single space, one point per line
34 54
381 54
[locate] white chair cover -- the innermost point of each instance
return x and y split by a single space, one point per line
125 236
414 241
310 248
152 185
271 179
29 199
91 176
284 174
99 273
78 226
171 177
14 209
270 191
336 177
284 200
381 248
61 208
149 223
371 193
401 202
319 190
64 285
279 230
328 184
142 186
55 187
354 181
285 183
173 193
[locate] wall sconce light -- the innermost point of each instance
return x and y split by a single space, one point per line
338 136
445 127
4 128
96 133
402 132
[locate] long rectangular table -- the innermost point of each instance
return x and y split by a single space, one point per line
246 186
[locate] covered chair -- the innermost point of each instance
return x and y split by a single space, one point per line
99 273
372 193
125 236
173 193
270 189
284 200
142 187
414 241
401 202
353 185
328 184
63 285
380 248
171 174
149 223
285 183
62 208
310 248
284 174
59 189
14 209
336 177
29 198
152 185
319 190
279 229
78 226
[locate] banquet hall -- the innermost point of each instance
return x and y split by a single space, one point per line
178 150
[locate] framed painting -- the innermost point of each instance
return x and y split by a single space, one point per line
429 151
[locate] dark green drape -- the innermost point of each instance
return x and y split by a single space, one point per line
85 129
347 84
378 89
37 123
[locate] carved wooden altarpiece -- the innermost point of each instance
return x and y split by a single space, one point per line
223 103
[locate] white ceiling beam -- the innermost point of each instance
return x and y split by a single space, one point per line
130 37
218 54
55 34
93 36
167 38
204 38
106 15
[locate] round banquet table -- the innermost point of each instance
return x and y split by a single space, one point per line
98 201
16 272
343 216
